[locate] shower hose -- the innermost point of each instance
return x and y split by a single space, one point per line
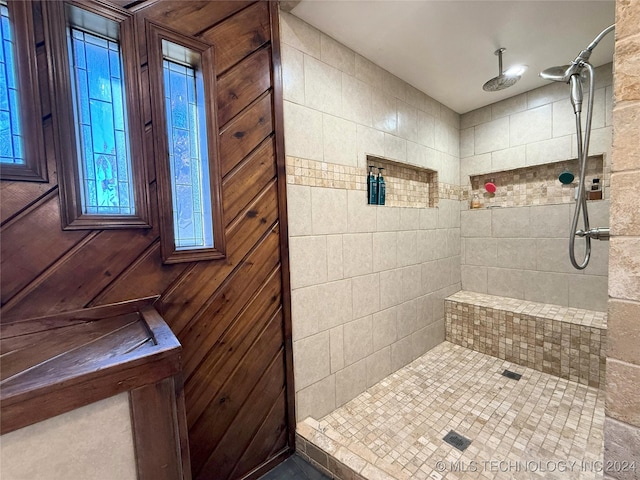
581 199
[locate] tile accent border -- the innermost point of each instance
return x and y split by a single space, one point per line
447 191
406 186
314 173
567 342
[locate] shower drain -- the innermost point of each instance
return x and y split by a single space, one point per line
512 375
457 440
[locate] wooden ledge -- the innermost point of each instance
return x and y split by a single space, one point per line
51 365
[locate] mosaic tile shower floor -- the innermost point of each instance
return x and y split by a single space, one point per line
541 426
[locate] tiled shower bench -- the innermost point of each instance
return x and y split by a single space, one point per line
567 342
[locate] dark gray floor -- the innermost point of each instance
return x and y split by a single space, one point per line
294 468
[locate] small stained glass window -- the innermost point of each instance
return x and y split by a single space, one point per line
182 80
189 168
11 147
101 124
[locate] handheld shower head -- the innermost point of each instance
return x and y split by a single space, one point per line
565 72
555 74
576 93
562 73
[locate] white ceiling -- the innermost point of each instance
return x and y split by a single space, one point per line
445 48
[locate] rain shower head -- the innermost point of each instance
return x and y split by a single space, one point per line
504 79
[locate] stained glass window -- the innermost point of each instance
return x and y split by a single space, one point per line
186 128
11 151
101 124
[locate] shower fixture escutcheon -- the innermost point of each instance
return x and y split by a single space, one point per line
573 75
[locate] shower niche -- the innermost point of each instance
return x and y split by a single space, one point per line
407 185
536 184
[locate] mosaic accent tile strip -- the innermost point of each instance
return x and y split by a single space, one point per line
567 342
395 430
534 185
450 192
406 186
301 171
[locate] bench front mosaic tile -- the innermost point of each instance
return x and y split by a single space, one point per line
567 342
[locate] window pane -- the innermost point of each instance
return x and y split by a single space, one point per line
101 126
11 151
184 101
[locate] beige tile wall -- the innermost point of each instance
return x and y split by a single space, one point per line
522 251
368 283
533 128
339 107
622 423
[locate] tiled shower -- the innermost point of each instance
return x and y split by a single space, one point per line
369 282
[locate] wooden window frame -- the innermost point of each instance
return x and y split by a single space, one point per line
69 177
35 166
170 254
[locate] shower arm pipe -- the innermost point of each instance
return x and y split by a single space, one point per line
581 200
586 53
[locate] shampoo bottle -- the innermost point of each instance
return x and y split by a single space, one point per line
475 201
382 188
372 187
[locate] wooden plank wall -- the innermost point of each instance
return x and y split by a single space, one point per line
231 316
